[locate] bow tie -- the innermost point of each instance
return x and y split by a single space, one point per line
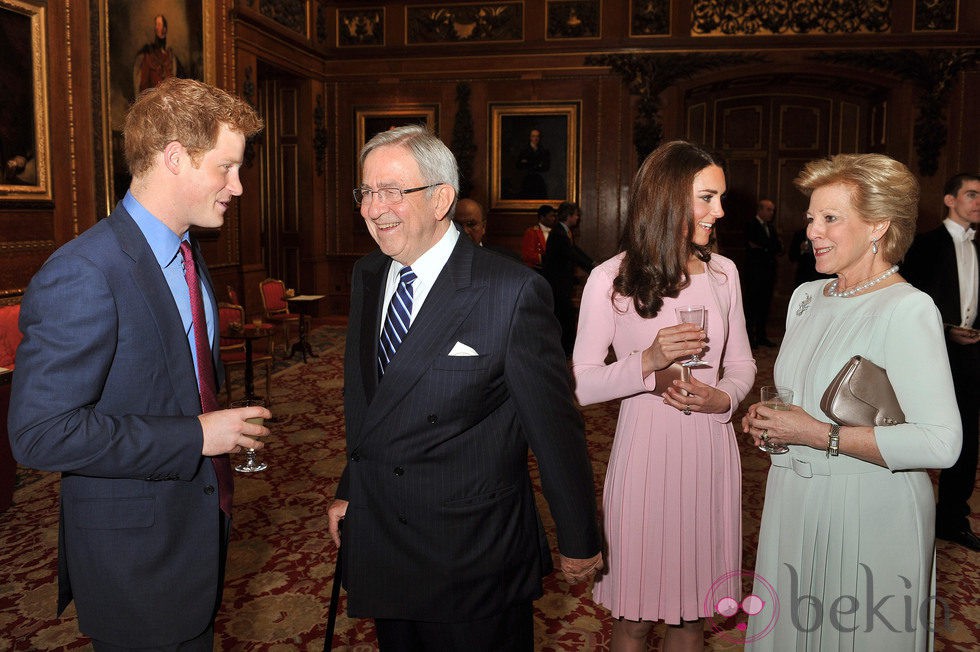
968 235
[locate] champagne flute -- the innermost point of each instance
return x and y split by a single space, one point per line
251 464
692 315
775 398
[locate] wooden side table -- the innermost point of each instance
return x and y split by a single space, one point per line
243 336
304 303
250 333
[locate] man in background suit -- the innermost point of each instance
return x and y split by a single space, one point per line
107 391
944 264
472 220
561 257
442 543
762 247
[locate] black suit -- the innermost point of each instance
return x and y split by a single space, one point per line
441 524
561 257
931 266
762 248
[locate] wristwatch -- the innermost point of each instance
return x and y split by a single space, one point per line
833 440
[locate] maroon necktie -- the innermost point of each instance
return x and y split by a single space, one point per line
207 385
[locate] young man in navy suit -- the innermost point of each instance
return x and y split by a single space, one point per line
453 370
115 387
944 264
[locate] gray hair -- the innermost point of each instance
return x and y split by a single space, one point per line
436 162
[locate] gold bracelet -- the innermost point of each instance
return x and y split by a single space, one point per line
833 441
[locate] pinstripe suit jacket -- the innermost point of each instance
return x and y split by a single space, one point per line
442 524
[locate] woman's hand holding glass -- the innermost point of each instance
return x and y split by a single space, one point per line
784 427
672 344
677 344
692 315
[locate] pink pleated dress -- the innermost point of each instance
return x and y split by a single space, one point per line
672 495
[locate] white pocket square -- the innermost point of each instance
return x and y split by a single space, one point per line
462 349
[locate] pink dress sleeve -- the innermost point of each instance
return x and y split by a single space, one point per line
596 381
739 363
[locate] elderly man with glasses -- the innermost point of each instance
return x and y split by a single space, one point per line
453 370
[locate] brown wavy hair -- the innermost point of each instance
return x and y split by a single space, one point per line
659 224
183 110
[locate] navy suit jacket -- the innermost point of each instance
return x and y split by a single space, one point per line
441 524
105 392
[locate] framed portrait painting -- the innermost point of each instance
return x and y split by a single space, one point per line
24 145
142 44
371 120
534 154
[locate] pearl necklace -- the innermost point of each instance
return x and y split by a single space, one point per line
832 288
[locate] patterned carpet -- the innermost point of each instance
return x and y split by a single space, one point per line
281 560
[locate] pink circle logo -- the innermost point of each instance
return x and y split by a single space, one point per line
732 610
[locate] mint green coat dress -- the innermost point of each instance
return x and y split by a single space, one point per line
846 556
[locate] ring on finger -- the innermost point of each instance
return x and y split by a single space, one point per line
765 435
687 410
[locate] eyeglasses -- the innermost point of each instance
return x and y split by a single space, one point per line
387 196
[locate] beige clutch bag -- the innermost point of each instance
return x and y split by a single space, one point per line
861 395
665 377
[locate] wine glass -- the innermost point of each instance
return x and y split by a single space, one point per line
692 315
251 463
775 398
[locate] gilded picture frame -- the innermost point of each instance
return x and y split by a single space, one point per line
132 60
370 120
522 176
25 154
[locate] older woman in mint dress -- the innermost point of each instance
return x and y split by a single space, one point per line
672 496
846 556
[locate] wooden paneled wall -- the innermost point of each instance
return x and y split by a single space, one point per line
312 65
31 230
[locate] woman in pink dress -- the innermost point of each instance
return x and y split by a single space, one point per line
671 503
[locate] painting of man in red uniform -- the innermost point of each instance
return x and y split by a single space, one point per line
155 61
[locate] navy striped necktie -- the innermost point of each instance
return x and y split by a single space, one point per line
398 320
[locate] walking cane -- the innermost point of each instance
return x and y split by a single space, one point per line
334 597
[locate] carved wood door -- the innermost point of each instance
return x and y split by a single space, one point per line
767 128
281 203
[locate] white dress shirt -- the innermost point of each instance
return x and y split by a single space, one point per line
966 265
426 268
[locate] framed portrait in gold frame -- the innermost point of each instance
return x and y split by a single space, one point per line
142 43
534 154
25 154
371 120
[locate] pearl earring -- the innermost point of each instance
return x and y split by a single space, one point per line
874 246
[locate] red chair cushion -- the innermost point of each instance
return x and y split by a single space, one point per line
10 335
